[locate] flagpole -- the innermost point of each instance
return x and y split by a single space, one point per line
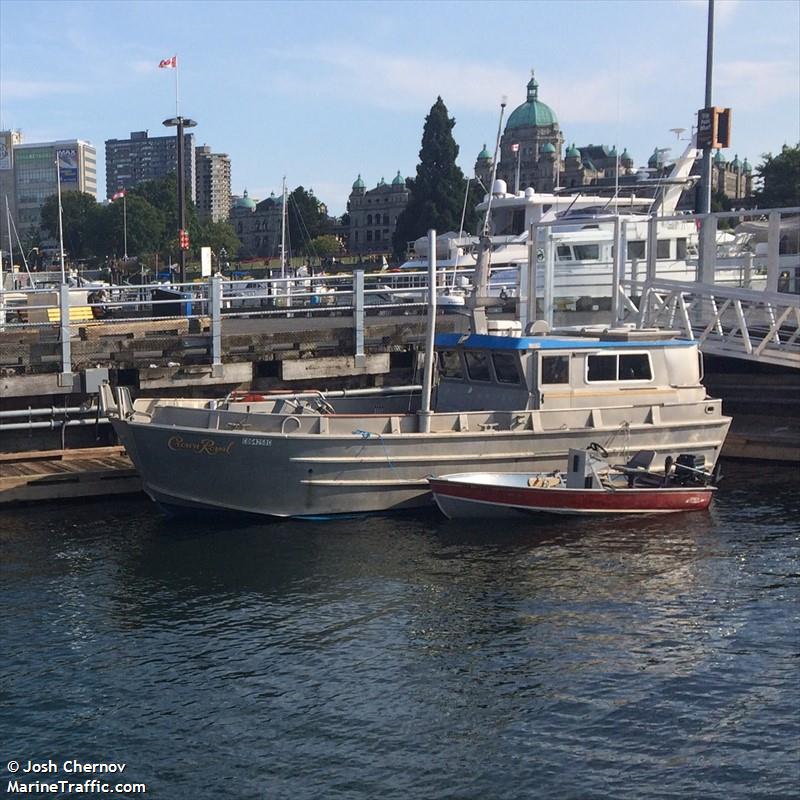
177 105
125 224
60 222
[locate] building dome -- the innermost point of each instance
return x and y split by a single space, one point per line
655 160
736 164
358 183
246 202
533 113
548 148
398 180
719 159
573 152
484 154
626 158
381 182
746 166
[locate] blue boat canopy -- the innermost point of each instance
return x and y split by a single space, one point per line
476 341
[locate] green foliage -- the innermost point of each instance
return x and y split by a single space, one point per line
325 246
306 219
162 194
437 193
145 228
80 222
780 177
217 236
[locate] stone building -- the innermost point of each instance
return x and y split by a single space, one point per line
732 178
257 225
213 184
373 214
530 145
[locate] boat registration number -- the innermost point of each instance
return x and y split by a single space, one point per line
257 442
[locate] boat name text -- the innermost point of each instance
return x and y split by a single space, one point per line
205 447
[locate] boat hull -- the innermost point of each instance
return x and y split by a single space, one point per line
302 475
462 499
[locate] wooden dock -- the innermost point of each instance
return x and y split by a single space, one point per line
66 474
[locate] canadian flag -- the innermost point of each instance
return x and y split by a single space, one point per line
118 195
514 148
168 63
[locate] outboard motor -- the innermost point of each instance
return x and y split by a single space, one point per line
690 469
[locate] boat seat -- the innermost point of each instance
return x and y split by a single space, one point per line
642 459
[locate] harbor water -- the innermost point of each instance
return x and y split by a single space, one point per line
407 656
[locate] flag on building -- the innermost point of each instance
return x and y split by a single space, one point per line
515 148
168 63
118 195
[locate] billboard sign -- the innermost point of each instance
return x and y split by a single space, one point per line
68 164
6 152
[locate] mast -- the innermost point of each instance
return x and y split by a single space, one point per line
283 230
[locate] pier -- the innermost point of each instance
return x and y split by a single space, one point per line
207 337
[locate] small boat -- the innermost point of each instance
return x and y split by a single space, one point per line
590 486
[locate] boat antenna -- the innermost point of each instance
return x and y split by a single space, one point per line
485 227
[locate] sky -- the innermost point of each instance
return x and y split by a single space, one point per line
322 91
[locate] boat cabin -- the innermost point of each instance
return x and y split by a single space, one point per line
482 372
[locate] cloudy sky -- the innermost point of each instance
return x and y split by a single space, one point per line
322 91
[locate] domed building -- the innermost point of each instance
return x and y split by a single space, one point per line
257 225
373 214
531 144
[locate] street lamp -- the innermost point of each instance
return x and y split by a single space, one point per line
180 123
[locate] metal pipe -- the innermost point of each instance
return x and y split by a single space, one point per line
43 412
52 424
705 191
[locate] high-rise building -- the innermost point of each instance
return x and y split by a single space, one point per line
141 158
28 175
213 188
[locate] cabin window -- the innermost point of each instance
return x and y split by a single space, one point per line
505 367
680 245
601 368
450 365
477 365
587 252
564 252
662 248
621 367
636 250
634 367
518 222
555 369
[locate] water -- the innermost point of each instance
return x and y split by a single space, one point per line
410 657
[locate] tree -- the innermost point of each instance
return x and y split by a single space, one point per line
306 218
145 225
218 236
780 177
162 194
325 246
437 193
79 213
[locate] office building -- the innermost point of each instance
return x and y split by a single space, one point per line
213 187
130 162
28 176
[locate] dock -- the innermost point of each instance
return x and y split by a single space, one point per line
66 474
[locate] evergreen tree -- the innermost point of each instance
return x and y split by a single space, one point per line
306 218
781 179
437 193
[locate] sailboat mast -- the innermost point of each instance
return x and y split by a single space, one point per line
283 230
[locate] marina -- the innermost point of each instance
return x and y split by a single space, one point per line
456 477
